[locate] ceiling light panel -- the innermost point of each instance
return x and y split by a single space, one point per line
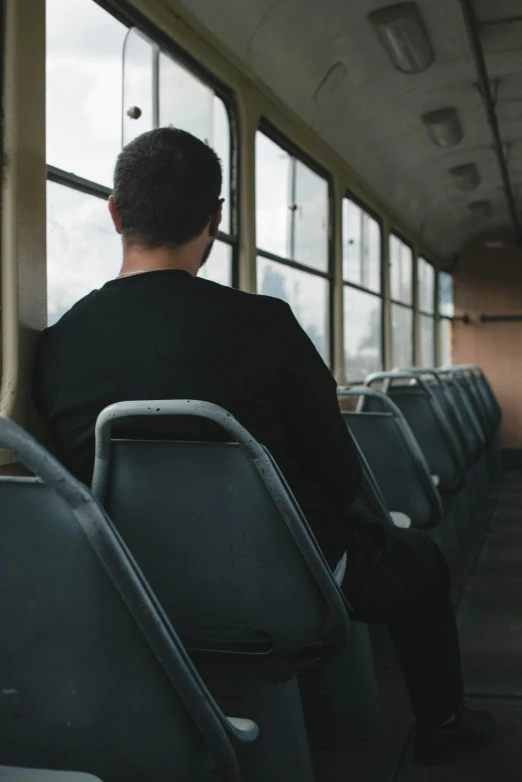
466 177
444 127
404 36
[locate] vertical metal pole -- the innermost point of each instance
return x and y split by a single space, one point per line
415 305
337 282
436 310
386 294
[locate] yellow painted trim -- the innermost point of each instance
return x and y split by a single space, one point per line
23 199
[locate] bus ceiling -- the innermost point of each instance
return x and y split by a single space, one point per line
423 100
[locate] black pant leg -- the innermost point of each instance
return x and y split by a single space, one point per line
400 578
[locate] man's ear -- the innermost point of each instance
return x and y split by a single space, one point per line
114 214
215 220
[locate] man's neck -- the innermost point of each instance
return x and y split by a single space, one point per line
143 259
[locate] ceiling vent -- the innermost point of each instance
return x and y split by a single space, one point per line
444 127
466 177
404 36
330 84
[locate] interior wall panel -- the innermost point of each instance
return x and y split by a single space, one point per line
488 280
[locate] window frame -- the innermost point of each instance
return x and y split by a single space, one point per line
423 313
349 194
132 18
273 133
412 306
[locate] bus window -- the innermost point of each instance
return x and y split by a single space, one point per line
402 335
310 218
401 273
90 57
292 227
362 298
446 312
84 76
427 340
84 73
138 77
182 100
426 305
446 306
83 249
401 269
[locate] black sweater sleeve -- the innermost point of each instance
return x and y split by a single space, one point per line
323 447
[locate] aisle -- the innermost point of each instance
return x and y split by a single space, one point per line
490 621
489 614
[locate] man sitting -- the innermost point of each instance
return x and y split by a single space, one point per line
158 331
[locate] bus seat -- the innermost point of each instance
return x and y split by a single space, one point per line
231 557
459 389
428 422
442 450
487 410
468 436
369 497
93 676
399 467
395 458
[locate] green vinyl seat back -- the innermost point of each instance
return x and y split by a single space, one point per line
428 421
93 677
470 446
218 533
468 392
394 457
488 412
443 394
489 396
480 392
460 399
369 498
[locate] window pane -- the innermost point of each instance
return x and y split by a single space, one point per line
362 334
310 218
426 284
84 76
371 253
83 249
137 85
352 234
446 295
361 247
402 336
185 102
427 341
401 267
307 294
272 197
446 342
218 268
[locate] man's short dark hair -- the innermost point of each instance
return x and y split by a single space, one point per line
167 185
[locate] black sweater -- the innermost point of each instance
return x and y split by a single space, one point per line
167 335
